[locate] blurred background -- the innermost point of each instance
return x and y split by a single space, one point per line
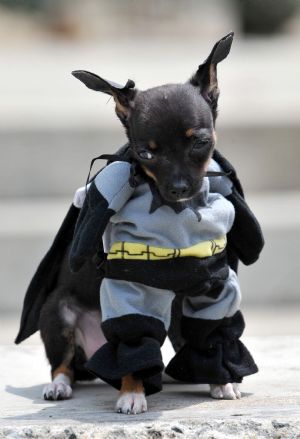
51 126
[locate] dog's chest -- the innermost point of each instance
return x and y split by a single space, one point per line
166 227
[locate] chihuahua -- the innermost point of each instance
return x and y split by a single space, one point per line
171 134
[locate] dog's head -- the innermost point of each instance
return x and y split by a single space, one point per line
171 128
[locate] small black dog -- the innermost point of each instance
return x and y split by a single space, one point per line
171 133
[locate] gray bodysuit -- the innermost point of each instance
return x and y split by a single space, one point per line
156 251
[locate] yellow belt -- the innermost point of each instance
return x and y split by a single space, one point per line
134 250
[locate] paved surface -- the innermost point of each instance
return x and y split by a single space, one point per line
52 163
250 80
269 408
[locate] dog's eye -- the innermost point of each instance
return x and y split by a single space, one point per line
200 143
145 155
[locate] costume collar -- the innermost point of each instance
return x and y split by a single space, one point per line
178 206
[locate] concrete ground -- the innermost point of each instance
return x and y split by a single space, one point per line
269 408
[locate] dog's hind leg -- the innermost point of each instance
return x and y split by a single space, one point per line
57 323
60 387
132 398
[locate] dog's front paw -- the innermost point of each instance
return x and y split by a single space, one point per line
57 391
131 403
225 391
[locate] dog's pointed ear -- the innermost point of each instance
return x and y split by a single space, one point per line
206 75
122 94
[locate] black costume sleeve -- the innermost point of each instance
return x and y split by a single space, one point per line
91 223
245 239
108 193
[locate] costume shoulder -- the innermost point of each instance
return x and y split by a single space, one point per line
245 239
107 194
45 277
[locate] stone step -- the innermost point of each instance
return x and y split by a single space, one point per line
49 163
46 95
29 226
261 320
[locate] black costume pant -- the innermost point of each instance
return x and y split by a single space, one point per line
136 318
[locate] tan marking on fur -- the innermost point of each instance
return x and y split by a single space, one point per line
214 136
152 145
68 333
149 173
206 164
65 370
189 132
121 109
213 83
130 384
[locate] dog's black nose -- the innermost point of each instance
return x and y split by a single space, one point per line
179 190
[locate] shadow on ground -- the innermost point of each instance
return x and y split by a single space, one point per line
93 401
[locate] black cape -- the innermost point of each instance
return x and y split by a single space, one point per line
245 242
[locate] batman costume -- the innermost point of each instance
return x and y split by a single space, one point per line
156 251
151 259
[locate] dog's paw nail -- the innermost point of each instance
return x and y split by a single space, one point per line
49 392
216 391
237 390
131 403
228 391
57 391
64 391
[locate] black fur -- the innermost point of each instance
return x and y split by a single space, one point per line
59 337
